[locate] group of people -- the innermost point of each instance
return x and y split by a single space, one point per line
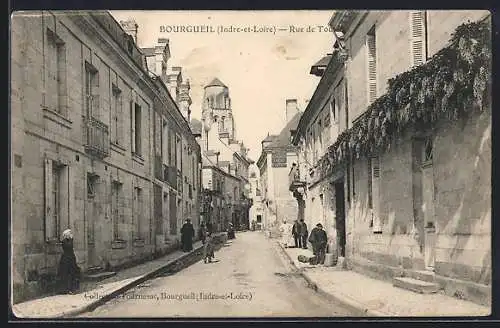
296 236
69 273
206 236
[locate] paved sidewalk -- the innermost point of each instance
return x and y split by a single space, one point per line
95 293
374 297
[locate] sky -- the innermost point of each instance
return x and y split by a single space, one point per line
262 68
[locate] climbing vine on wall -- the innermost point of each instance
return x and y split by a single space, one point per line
454 82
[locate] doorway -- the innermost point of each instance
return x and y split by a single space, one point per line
423 199
428 204
92 214
158 213
340 217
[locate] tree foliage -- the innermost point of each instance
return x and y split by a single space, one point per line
453 83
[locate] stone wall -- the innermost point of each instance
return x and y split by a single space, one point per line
40 133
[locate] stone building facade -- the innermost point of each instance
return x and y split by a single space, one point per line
275 163
98 146
422 206
256 211
224 157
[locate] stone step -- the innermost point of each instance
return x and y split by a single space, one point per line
423 275
94 269
419 286
99 275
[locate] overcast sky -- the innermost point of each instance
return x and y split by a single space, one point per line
262 69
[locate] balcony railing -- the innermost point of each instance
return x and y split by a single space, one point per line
294 179
170 176
96 137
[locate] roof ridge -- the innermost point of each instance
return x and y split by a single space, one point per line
216 82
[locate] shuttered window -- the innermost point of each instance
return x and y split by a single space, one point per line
370 184
132 127
138 212
371 47
117 115
137 130
117 208
57 194
418 32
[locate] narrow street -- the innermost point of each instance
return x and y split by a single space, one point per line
249 271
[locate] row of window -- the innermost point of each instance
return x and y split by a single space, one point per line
55 99
425 156
418 49
325 128
57 214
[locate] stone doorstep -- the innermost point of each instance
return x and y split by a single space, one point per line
98 276
419 286
473 292
117 288
422 275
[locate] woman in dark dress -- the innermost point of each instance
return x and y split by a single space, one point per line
187 234
69 272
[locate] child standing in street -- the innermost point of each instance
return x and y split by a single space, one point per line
208 248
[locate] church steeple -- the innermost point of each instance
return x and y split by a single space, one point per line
218 102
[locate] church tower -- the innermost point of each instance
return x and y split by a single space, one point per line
217 102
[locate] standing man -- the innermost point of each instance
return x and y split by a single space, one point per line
187 234
203 232
303 234
318 239
296 233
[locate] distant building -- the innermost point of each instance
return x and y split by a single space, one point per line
256 211
224 158
275 162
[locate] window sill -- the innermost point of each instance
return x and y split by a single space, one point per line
138 158
138 243
56 117
118 244
426 164
118 148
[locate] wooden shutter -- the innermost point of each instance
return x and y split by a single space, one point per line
49 211
134 212
119 118
96 110
377 223
71 184
417 37
138 130
372 66
132 127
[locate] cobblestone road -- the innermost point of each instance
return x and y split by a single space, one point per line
248 279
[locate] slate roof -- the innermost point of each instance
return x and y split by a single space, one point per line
195 126
321 65
282 140
216 83
324 61
148 51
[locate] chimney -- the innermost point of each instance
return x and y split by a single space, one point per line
130 27
291 109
